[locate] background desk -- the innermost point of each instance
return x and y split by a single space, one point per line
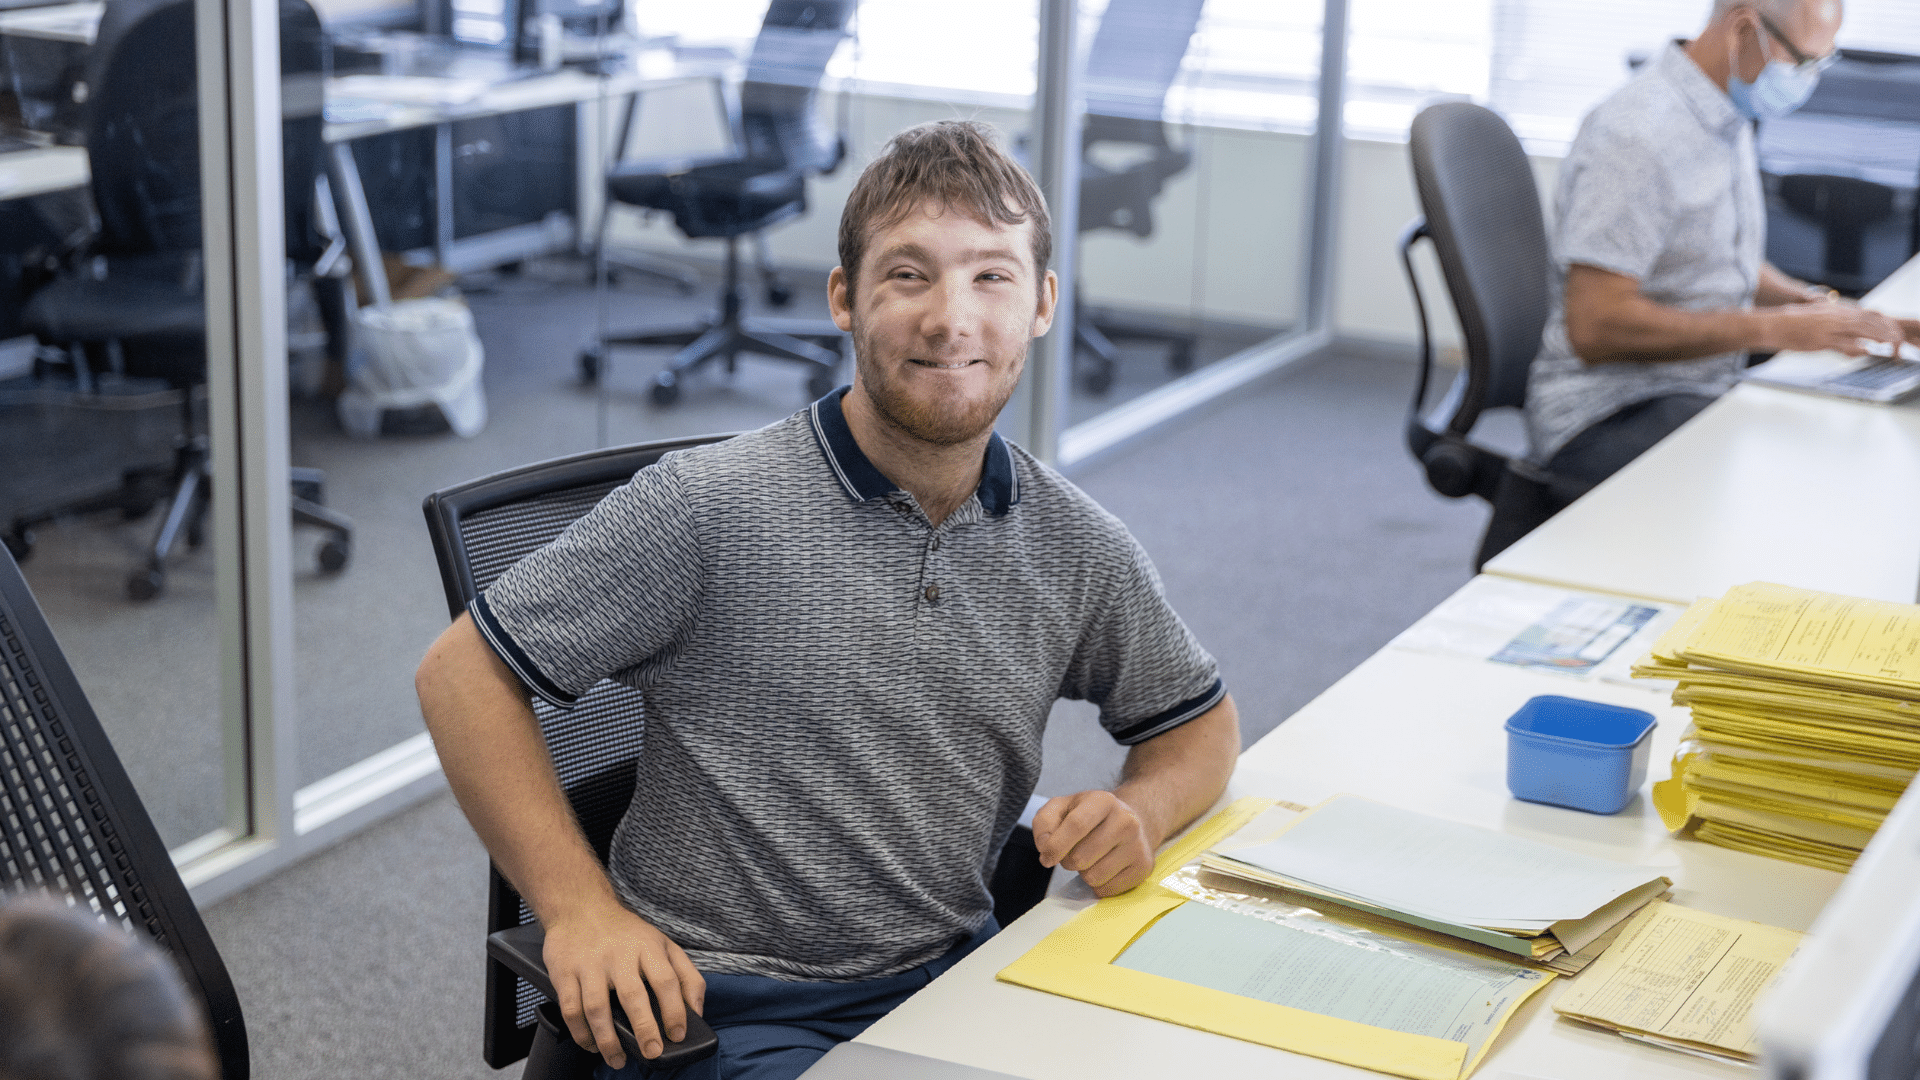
1424 732
444 226
1765 485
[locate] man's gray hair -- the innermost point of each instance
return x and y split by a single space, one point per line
1777 10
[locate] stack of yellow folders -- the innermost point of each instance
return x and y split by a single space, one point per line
1352 856
1806 720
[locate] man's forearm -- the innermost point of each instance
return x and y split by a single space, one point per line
1170 779
1636 328
498 766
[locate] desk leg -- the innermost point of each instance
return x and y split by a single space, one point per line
443 194
357 221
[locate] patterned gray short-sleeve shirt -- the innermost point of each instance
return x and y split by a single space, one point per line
1662 186
844 704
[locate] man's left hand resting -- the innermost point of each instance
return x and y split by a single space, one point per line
1109 837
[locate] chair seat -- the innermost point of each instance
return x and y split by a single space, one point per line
730 198
137 298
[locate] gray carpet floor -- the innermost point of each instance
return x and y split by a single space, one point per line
1291 532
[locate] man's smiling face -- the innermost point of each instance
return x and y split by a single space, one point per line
942 313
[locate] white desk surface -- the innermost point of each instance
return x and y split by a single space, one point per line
25 173
563 87
1765 485
1418 730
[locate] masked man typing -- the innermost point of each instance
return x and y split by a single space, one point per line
1661 289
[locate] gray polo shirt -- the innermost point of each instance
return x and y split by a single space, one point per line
844 703
1661 185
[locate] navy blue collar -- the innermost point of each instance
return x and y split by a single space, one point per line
999 488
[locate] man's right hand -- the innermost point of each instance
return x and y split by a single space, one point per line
607 946
1835 325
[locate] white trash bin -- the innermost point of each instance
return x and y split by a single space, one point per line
418 352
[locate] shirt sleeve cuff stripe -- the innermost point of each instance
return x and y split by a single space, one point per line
1161 723
503 645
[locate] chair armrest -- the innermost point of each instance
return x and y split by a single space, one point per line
521 950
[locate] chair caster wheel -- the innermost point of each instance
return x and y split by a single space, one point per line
591 363
134 511
333 555
779 295
146 584
1181 358
666 389
19 543
1098 380
196 536
820 383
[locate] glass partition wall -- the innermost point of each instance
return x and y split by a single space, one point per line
121 497
1194 188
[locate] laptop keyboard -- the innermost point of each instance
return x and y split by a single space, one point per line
1878 375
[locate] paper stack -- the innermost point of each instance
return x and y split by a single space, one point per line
1806 720
1532 900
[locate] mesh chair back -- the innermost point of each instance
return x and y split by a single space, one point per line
1483 212
71 824
779 123
143 126
479 530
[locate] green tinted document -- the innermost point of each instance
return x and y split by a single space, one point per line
1429 992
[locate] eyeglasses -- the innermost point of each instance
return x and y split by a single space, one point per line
1802 63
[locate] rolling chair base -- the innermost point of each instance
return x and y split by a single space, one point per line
184 487
815 343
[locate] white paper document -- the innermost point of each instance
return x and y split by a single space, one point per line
1579 635
1441 869
1443 995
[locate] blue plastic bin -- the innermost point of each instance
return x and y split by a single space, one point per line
1579 754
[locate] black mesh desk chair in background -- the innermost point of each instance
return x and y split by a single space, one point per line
479 530
139 290
1482 212
71 823
781 143
1135 56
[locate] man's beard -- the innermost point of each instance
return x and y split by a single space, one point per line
940 423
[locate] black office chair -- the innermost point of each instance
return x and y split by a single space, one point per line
1135 56
1482 213
71 824
1844 208
781 144
480 529
138 290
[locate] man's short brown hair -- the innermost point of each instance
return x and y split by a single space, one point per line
958 164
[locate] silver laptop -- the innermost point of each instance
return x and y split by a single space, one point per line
862 1061
1881 380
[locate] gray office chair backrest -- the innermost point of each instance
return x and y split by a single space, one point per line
1136 55
1483 213
778 118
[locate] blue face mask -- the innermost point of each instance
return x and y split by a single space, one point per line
1780 89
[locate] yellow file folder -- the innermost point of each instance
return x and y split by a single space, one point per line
1076 961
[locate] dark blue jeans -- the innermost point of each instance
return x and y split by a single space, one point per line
775 1030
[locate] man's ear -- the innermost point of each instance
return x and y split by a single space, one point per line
840 298
1049 301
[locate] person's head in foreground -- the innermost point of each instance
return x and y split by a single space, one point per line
942 281
84 1000
1768 54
